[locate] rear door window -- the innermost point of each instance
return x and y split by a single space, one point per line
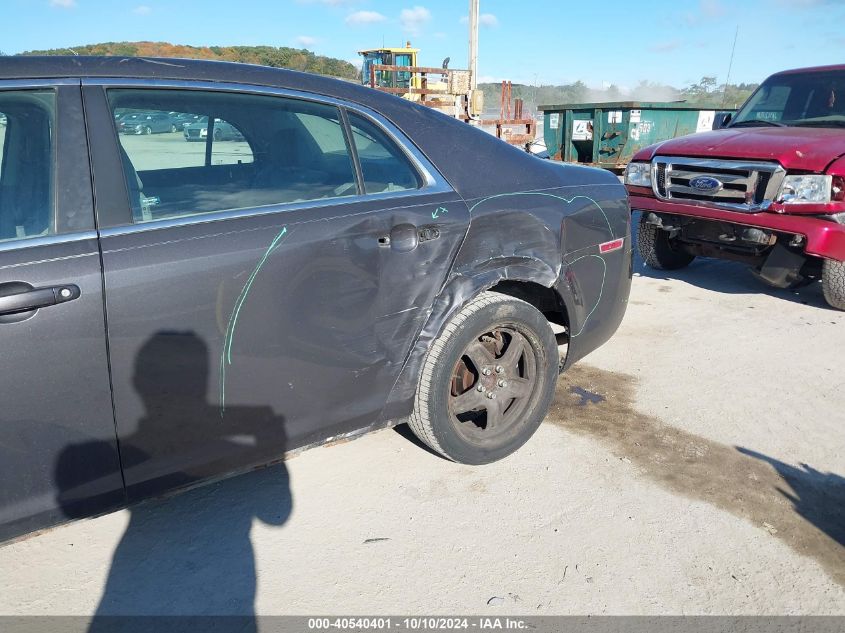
384 166
27 164
259 150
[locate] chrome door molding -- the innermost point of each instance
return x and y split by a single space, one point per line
18 84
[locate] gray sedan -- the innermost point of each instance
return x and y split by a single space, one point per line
172 312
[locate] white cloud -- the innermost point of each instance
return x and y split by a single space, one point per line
63 4
364 17
142 9
487 20
413 20
306 41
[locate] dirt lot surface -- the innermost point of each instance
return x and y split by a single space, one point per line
693 465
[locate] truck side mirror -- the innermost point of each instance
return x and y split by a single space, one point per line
721 120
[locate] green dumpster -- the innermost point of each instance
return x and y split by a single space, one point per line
609 134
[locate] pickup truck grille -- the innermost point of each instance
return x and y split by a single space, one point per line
737 185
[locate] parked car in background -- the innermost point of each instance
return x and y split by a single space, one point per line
767 189
223 131
144 123
179 120
347 266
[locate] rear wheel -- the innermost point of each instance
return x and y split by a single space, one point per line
833 283
658 250
487 382
148 130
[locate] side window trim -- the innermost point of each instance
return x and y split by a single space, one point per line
353 151
432 176
422 175
114 213
73 169
111 199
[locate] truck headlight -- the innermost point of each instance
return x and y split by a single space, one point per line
805 189
638 174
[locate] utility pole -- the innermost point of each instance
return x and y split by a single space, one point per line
730 67
473 43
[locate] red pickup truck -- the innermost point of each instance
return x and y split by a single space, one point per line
766 188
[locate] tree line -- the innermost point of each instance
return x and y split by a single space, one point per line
278 57
707 93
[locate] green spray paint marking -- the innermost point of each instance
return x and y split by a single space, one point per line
226 351
546 195
567 201
438 212
601 290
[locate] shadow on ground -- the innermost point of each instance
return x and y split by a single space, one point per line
800 506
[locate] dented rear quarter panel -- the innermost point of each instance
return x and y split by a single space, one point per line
548 236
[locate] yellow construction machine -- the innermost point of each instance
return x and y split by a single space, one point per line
395 70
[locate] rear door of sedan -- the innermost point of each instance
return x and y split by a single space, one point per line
263 289
58 450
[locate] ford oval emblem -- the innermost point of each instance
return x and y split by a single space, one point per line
706 184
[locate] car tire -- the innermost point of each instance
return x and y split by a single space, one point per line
173 128
833 283
514 341
658 250
148 130
218 135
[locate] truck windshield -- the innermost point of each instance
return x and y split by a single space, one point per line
799 99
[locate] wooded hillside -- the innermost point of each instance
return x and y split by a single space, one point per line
279 57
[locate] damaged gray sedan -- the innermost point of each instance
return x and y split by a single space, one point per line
172 312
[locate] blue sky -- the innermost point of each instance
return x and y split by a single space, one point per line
549 41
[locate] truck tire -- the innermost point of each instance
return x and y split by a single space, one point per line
833 283
658 250
487 382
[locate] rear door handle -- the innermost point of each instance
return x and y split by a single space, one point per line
35 298
406 237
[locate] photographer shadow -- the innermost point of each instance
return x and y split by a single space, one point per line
189 554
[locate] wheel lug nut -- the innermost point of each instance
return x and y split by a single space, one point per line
481 388
491 395
487 371
499 369
503 383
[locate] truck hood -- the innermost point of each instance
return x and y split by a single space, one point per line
798 148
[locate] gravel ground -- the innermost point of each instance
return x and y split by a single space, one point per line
693 465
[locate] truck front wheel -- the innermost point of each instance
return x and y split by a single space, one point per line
833 283
658 250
